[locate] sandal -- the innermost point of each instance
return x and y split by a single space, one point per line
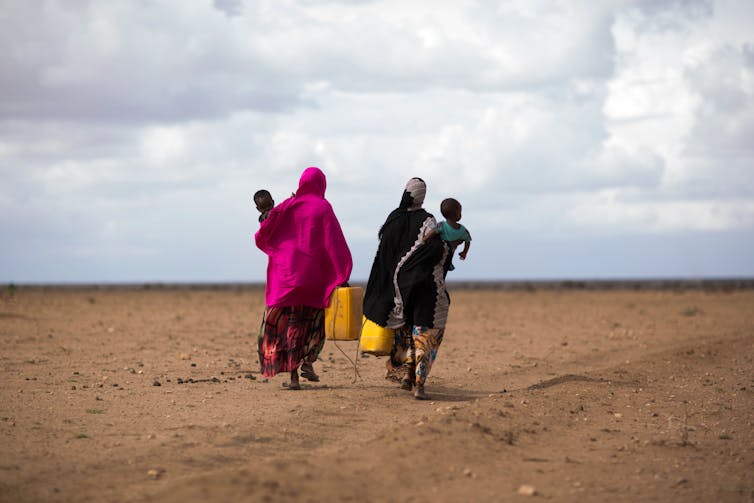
307 372
406 384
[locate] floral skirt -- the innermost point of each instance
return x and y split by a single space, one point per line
290 336
414 351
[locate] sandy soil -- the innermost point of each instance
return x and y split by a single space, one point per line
572 395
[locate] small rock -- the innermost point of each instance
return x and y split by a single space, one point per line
527 490
185 356
467 472
156 383
154 474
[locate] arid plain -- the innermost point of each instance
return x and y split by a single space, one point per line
560 394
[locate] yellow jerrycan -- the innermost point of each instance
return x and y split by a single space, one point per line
375 340
343 315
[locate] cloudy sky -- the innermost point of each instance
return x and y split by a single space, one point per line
610 139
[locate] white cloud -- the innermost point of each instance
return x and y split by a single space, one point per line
724 81
231 8
682 91
118 61
132 136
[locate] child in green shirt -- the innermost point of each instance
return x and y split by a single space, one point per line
450 230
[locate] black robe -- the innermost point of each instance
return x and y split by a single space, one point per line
407 282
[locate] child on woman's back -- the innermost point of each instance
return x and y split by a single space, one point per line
264 202
450 230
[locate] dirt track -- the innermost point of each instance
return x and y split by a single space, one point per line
138 394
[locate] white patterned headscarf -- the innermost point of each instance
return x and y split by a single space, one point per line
416 189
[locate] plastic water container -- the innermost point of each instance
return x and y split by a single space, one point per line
343 315
375 340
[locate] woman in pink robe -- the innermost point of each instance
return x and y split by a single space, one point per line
308 257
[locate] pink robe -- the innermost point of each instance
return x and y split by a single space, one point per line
308 254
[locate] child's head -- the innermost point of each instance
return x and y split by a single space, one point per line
263 200
451 209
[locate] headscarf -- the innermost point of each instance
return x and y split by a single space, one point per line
308 254
406 284
411 200
416 189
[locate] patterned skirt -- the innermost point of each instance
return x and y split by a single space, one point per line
414 351
290 336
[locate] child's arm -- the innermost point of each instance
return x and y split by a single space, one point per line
430 234
466 246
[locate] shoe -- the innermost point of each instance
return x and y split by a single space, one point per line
294 381
406 384
307 372
419 394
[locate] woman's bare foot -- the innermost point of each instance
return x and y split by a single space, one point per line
419 394
294 380
409 381
307 372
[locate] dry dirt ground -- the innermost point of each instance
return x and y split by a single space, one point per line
153 394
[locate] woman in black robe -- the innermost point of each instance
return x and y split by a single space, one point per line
406 288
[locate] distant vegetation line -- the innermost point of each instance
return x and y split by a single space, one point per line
724 284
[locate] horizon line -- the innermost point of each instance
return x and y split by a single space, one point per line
722 282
